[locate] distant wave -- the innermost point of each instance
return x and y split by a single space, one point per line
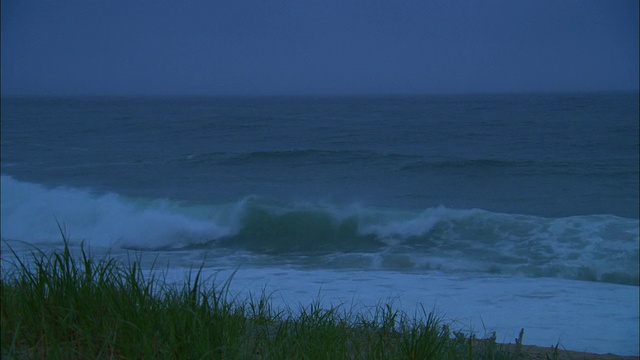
594 247
467 163
400 162
522 166
309 156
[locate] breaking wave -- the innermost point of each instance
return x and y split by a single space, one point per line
595 247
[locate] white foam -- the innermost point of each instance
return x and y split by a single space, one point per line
30 213
580 316
598 247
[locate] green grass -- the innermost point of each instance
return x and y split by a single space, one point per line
66 306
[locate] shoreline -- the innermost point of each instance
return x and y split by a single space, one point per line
64 305
538 352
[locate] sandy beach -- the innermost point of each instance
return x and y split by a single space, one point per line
537 352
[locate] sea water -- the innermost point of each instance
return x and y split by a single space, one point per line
498 212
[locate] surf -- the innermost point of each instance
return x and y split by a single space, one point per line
311 233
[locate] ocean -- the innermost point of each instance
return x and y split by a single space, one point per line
499 212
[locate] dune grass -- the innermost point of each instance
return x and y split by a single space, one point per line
66 306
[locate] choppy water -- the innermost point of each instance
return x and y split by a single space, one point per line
413 195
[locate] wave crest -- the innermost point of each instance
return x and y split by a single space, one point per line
595 247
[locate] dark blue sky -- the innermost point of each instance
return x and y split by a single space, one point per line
317 47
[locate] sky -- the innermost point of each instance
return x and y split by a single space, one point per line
316 47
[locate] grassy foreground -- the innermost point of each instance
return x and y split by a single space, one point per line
63 306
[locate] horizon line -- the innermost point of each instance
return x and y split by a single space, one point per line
308 95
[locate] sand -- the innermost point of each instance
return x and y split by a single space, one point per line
537 352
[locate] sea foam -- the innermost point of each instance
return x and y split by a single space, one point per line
594 247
